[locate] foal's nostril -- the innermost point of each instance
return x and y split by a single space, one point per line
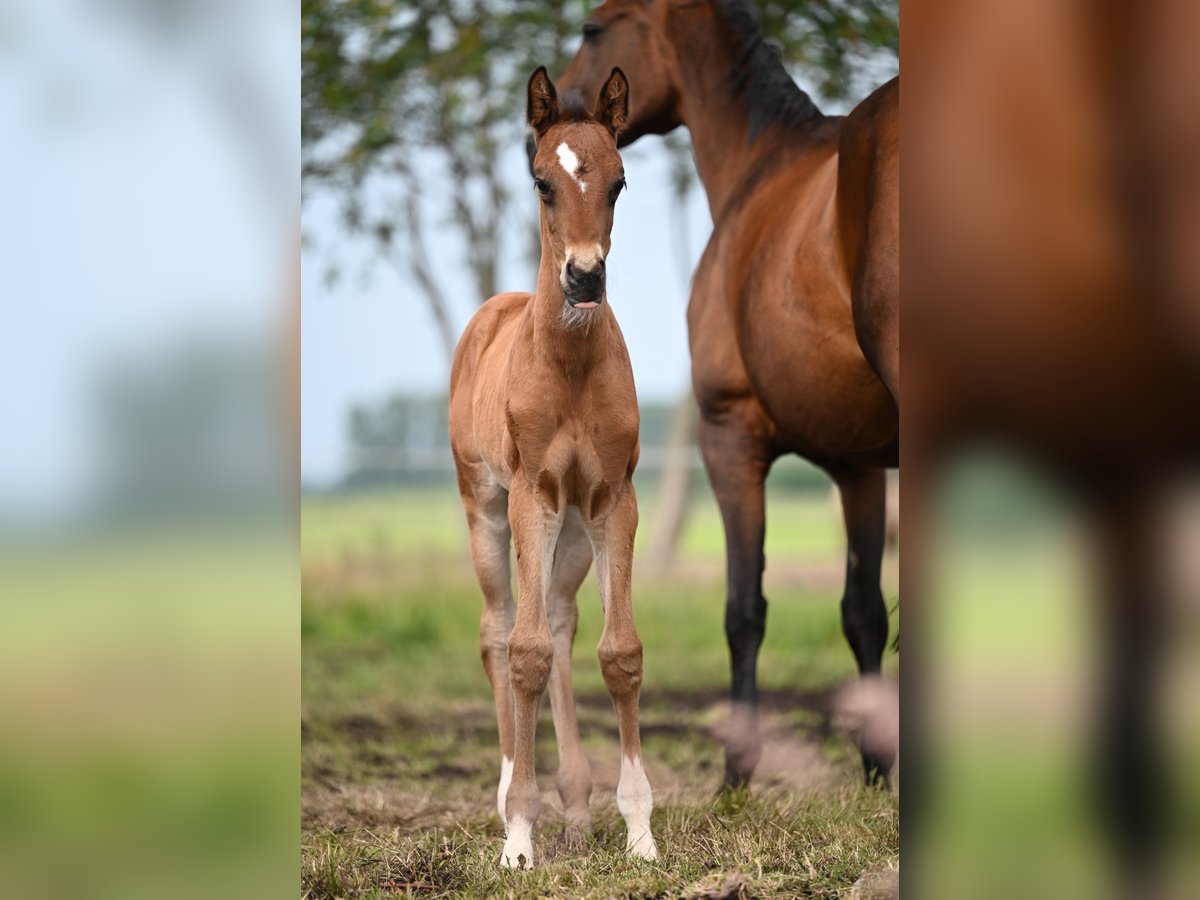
576 272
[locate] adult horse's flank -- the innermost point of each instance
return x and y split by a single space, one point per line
794 314
544 430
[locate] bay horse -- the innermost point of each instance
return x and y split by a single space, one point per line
793 320
544 432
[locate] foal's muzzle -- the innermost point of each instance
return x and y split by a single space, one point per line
582 285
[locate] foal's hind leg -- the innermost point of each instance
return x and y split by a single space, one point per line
737 460
487 519
864 614
572 558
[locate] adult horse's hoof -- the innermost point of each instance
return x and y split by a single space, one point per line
870 709
877 770
734 782
743 746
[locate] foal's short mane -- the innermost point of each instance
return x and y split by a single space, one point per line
758 76
572 107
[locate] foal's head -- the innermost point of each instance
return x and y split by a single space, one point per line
577 171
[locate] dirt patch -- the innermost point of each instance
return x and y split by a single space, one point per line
362 728
373 779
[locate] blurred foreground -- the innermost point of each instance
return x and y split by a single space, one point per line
148 583
1052 297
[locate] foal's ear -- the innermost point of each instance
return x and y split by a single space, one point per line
541 105
612 109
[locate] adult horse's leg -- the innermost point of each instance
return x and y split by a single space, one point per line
1132 627
572 559
620 652
487 520
530 656
737 460
864 614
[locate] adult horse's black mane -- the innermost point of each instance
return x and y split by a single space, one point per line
758 78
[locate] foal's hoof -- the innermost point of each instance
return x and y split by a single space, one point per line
517 861
644 847
575 837
518 847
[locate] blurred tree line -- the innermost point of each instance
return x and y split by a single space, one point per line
394 90
404 439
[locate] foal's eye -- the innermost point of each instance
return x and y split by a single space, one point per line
544 188
591 30
615 191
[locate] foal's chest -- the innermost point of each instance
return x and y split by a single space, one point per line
575 455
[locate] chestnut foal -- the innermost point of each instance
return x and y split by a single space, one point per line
544 430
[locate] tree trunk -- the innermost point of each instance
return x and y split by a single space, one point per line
674 493
418 266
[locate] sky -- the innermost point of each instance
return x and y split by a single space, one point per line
133 213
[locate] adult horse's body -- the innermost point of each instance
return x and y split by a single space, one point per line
544 431
793 318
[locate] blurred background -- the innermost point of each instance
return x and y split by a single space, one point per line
148 276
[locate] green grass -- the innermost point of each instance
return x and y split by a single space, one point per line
412 522
771 844
399 753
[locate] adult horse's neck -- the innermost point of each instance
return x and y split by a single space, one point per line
576 348
737 99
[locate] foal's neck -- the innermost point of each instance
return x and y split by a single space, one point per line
574 346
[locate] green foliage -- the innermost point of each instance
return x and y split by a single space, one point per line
832 41
382 77
384 83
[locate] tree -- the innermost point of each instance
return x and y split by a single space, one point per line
385 84
835 44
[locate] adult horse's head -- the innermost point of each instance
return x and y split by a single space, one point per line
578 174
632 35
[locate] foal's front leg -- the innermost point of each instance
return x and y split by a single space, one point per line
535 530
620 652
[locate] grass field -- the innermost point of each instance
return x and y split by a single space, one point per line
399 753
